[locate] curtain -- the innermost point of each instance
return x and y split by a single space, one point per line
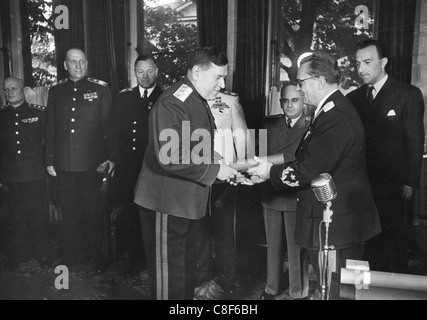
252 28
73 37
106 42
212 23
396 28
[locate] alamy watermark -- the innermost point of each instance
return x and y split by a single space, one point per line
195 147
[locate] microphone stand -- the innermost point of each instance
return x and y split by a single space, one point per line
327 218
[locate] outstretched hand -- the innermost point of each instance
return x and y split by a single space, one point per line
262 170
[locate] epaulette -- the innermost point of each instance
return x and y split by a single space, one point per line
100 82
36 106
231 93
183 92
3 107
126 90
60 82
329 106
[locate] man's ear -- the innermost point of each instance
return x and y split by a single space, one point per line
196 72
384 62
65 65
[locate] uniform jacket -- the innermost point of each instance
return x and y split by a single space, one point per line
131 129
231 138
180 120
281 139
79 130
394 126
334 144
21 143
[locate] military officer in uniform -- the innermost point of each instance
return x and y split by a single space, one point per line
79 139
22 168
232 143
132 109
178 171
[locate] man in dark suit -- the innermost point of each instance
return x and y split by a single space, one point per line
178 171
79 139
22 168
393 118
334 144
132 110
284 134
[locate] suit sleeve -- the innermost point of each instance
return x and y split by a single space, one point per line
50 129
107 121
242 139
323 154
170 125
414 137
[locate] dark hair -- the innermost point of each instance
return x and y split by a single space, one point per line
381 49
322 64
145 57
205 56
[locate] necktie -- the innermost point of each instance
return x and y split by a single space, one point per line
145 94
289 123
371 95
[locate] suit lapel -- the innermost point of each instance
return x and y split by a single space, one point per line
385 96
295 133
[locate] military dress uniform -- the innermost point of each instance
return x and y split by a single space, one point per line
232 143
131 130
23 170
79 137
173 195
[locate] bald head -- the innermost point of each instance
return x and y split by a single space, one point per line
14 91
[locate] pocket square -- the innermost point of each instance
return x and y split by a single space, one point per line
391 113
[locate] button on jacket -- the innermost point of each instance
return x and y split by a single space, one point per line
79 131
21 143
131 128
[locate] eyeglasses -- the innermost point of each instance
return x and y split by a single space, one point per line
301 81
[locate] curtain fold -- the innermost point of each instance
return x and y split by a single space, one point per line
396 28
104 31
212 23
73 37
252 28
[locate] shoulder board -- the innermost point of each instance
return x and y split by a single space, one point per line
60 82
126 90
231 93
329 106
36 106
100 82
183 92
3 107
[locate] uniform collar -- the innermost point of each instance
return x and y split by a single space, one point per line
78 82
20 107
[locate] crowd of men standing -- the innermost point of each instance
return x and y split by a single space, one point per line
371 143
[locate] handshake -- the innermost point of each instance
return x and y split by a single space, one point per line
254 170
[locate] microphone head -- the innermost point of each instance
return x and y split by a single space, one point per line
324 188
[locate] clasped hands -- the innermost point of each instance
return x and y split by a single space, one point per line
258 172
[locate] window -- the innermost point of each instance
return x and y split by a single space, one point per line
335 26
42 42
170 34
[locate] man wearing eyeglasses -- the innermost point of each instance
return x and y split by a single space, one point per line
334 144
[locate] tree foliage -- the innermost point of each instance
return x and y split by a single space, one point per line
328 25
42 42
169 40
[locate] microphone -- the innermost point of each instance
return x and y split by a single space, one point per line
324 188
